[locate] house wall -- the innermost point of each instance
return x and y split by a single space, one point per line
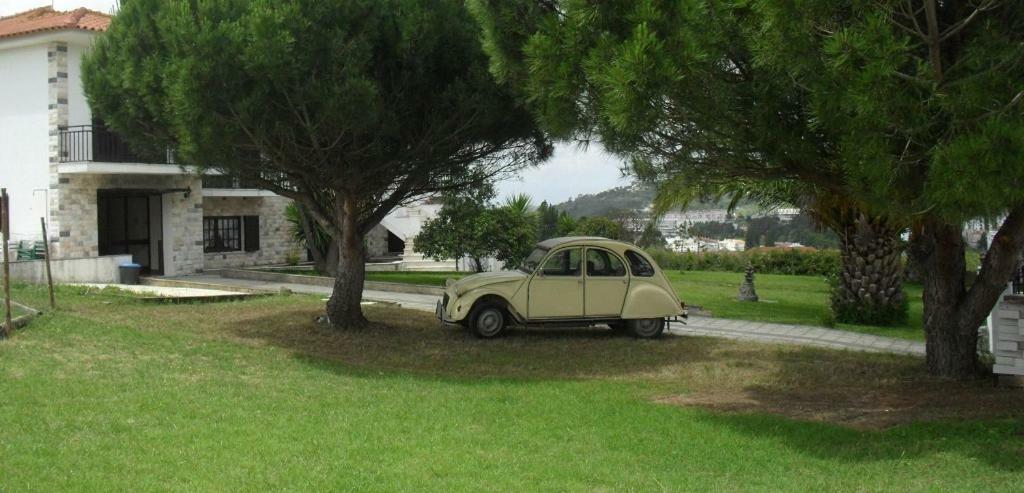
182 216
377 242
1008 336
275 231
78 107
23 137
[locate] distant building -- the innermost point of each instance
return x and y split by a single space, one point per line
697 245
671 222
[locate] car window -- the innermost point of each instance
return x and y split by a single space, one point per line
563 263
533 260
602 263
639 265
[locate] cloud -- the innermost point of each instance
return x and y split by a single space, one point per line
571 171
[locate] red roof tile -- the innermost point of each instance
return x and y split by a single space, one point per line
47 19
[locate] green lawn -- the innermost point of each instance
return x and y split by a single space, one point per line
16 311
784 299
108 393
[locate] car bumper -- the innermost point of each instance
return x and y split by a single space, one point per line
439 312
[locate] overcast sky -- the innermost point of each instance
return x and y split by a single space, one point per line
570 172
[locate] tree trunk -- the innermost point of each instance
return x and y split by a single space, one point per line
328 262
870 285
323 261
479 264
953 314
344 308
951 344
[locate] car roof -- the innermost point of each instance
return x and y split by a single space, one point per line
583 240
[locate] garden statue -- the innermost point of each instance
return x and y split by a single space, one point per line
747 292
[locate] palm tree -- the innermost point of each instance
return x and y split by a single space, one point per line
869 286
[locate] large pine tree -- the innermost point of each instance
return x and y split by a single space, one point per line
350 107
908 110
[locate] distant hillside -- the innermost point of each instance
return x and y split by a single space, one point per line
624 198
602 203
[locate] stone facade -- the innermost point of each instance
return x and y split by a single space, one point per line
57 71
1008 336
182 218
276 243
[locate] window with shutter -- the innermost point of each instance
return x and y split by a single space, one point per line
252 233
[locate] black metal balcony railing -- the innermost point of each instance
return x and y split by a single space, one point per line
97 144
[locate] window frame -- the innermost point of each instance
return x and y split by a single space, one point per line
611 254
644 260
551 256
222 244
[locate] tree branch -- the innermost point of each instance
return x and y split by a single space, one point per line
997 268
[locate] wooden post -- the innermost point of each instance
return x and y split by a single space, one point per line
5 225
49 276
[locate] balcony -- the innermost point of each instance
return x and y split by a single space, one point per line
97 144
95 149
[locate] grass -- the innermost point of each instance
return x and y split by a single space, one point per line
802 300
16 311
783 299
108 393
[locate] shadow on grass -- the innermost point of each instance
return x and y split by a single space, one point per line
414 342
997 444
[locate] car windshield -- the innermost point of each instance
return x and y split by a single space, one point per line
533 260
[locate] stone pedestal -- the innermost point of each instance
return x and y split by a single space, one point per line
747 291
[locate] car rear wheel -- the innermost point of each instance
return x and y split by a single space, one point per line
487 320
646 328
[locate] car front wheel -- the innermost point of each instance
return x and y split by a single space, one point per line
646 328
487 321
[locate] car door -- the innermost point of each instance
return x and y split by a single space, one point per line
605 283
556 290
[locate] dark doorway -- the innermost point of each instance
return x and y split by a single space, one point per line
130 223
395 244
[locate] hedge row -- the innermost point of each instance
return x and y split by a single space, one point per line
793 261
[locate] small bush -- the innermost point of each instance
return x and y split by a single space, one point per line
792 261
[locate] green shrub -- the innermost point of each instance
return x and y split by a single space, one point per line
792 261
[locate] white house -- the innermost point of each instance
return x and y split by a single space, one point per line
98 198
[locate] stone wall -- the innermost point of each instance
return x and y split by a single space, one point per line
57 68
1008 336
93 269
276 242
76 213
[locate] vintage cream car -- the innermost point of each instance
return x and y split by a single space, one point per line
570 281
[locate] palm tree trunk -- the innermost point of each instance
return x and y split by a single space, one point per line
869 289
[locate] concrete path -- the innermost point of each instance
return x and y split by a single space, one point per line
700 326
412 301
804 335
